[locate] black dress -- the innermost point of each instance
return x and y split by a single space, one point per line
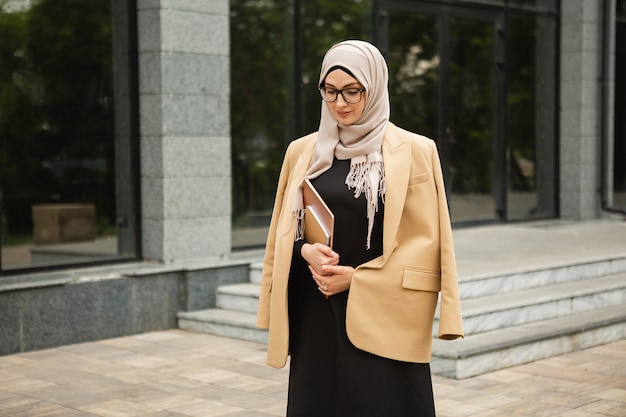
330 377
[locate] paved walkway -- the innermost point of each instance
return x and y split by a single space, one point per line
179 374
174 373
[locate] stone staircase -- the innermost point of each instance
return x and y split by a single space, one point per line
509 318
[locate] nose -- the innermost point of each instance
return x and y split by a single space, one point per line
341 101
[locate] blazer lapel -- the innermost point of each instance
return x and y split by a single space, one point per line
397 158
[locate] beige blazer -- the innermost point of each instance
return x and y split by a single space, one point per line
392 299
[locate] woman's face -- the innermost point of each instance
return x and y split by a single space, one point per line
345 113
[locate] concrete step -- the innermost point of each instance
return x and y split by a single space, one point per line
499 311
256 269
238 297
463 358
522 277
502 348
511 317
491 312
227 323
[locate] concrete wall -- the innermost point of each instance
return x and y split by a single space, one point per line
184 111
53 309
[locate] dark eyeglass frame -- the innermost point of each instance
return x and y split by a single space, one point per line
360 90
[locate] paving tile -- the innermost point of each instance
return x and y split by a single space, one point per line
170 401
173 383
26 385
207 408
74 395
13 361
165 413
94 350
607 408
136 393
249 413
277 408
9 400
617 395
564 399
180 374
118 408
130 374
276 391
39 408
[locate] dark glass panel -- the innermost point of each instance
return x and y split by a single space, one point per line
620 10
531 136
57 161
413 59
262 109
277 48
470 127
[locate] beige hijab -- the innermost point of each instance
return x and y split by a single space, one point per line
360 142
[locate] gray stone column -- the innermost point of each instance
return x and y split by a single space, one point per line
580 139
184 94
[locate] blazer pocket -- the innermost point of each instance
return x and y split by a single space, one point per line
420 280
418 179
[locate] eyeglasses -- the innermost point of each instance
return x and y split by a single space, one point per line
350 95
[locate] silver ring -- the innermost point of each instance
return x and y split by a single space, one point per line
325 287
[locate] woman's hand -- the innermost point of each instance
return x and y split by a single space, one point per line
318 255
334 278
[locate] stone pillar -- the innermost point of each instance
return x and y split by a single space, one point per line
184 92
580 119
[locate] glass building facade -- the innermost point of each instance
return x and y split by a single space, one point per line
481 78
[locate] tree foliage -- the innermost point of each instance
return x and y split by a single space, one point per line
56 107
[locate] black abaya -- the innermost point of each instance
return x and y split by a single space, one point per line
330 377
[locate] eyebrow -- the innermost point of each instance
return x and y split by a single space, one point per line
351 85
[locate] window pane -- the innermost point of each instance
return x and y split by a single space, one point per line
57 148
413 60
274 74
262 110
531 146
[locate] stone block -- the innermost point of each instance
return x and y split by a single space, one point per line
196 239
193 198
189 157
183 31
57 223
194 74
194 116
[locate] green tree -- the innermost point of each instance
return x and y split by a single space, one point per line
56 115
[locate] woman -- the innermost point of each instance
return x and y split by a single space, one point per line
357 318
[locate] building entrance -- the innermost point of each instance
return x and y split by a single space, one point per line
447 81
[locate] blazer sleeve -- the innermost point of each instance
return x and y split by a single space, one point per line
263 312
450 320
